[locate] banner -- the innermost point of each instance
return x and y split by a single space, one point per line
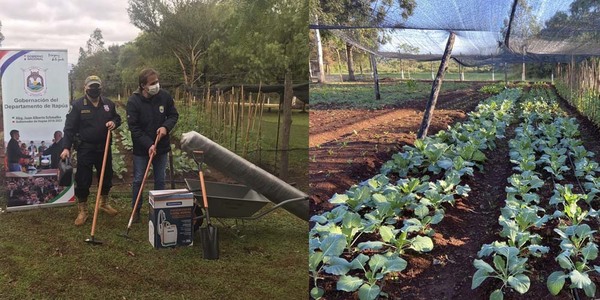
35 102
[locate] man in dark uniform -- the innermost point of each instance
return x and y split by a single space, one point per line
55 150
91 116
151 113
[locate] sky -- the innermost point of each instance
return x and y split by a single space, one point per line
63 24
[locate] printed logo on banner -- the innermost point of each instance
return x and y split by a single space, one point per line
106 108
35 81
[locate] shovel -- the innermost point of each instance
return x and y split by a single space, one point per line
208 235
92 240
140 192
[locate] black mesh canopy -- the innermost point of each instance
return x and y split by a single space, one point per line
487 32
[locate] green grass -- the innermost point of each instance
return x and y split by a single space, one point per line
452 76
298 142
44 256
362 95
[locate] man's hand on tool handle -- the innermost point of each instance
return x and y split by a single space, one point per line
162 131
110 125
65 154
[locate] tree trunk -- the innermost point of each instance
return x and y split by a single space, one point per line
286 124
435 89
375 77
351 76
320 55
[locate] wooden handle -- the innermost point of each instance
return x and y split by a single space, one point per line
203 186
100 182
141 191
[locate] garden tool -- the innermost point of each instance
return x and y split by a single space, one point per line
140 192
208 235
92 240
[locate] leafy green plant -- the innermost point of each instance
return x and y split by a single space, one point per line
411 84
493 89
564 195
374 271
555 160
577 243
118 163
507 267
182 162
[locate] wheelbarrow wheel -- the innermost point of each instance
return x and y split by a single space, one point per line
198 218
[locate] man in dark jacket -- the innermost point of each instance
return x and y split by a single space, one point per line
13 152
55 149
92 116
151 114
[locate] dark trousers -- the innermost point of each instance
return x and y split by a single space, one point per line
87 158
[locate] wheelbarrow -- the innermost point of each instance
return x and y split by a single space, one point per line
232 201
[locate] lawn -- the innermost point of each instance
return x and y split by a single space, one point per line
44 256
362 95
298 144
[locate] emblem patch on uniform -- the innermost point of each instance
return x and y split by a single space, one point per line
161 109
106 108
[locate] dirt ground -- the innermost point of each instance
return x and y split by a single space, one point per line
349 146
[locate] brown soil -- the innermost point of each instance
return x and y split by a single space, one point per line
340 157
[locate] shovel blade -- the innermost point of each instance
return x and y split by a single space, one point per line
93 241
209 238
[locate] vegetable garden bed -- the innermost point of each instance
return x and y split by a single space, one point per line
408 236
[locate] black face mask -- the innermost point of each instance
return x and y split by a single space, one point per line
93 93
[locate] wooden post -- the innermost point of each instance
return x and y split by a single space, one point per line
435 88
339 64
350 62
401 70
375 77
286 126
431 67
320 55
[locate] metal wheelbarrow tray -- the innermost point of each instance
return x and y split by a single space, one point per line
230 200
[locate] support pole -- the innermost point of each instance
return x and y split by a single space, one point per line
401 70
375 77
505 73
320 55
435 88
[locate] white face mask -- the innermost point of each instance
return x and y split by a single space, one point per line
153 89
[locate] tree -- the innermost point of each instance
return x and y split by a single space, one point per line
524 27
266 50
95 43
186 28
583 15
371 13
97 60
